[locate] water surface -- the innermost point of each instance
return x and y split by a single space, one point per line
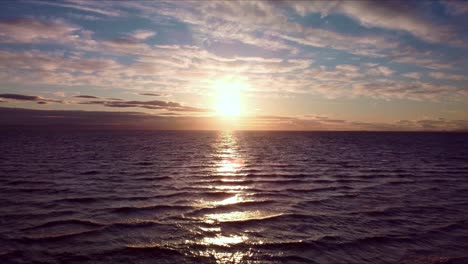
233 197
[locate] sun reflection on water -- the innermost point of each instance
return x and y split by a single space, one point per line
221 240
237 216
231 200
229 167
228 170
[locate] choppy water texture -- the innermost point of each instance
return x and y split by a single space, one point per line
233 197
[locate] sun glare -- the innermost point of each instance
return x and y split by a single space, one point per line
228 98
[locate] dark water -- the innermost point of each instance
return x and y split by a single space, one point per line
233 197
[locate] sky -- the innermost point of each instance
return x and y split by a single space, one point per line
268 65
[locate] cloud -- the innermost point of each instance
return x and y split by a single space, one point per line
347 67
130 63
112 102
381 70
413 75
153 105
414 90
59 94
393 15
425 60
84 6
171 69
151 94
442 124
264 24
21 97
29 30
86 96
31 98
187 69
456 7
448 76
84 120
142 34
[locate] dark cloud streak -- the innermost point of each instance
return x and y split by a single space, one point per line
151 94
153 105
31 98
111 102
86 96
21 97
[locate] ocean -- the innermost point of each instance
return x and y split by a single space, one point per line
233 197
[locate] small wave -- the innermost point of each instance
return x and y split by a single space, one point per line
230 207
40 215
147 253
54 238
144 163
86 223
433 260
26 182
151 178
320 189
262 219
287 245
153 208
290 259
216 195
79 200
136 223
450 228
277 181
92 172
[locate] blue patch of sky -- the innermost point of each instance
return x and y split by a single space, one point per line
439 12
335 23
173 33
330 57
437 49
15 9
122 59
23 47
233 49
116 28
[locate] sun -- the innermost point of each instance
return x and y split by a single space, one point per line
228 102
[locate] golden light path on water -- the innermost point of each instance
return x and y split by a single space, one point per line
229 170
210 239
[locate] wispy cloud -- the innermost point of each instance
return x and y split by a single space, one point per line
415 90
413 75
394 15
448 76
142 34
456 7
381 70
86 6
30 30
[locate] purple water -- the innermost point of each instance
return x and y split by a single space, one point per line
233 197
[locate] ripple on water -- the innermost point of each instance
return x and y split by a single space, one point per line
233 197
